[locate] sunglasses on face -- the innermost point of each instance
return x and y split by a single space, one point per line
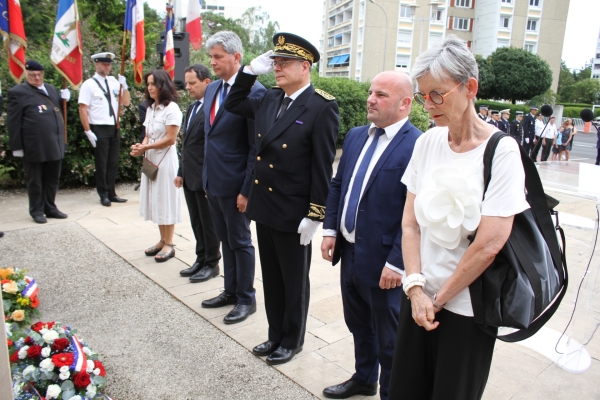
435 96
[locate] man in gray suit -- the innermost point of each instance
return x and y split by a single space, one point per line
189 176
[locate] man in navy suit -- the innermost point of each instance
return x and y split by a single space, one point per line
363 228
189 176
228 162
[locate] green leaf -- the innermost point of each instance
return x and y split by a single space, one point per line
67 385
98 380
7 304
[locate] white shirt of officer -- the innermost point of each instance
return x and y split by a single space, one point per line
382 144
539 127
92 96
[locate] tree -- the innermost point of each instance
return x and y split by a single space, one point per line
585 91
261 30
519 74
486 78
565 77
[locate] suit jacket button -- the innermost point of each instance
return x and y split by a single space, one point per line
270 189
270 165
256 181
258 158
259 135
284 146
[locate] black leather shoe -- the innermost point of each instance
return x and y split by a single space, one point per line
105 202
57 214
349 389
221 300
266 348
282 355
117 199
205 274
194 269
239 313
40 219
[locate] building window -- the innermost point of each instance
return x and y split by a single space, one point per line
402 61
358 61
330 41
507 1
597 66
404 12
502 43
532 25
461 24
534 3
404 37
530 47
439 16
505 22
463 3
361 10
339 61
434 40
361 34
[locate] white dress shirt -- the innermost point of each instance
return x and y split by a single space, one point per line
539 127
382 144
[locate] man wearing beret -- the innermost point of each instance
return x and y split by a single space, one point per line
37 134
98 111
296 130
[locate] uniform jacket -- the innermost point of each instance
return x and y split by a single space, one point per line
528 126
35 123
192 149
378 231
516 129
503 125
294 154
493 122
229 147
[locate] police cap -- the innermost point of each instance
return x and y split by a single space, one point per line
104 57
293 46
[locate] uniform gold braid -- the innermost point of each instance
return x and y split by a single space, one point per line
316 211
295 49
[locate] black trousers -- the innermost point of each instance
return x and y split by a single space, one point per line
450 362
546 149
207 242
527 146
42 184
285 266
535 148
106 156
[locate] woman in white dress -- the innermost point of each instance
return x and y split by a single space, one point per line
160 200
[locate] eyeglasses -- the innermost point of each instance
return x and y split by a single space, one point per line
435 97
282 64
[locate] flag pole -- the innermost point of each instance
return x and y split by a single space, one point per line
122 72
64 104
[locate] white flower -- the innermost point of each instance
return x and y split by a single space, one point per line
64 375
7 328
47 364
64 368
90 391
43 330
53 392
50 336
28 369
87 351
449 203
77 397
46 352
97 371
23 352
90 366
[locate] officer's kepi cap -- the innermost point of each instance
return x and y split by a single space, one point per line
293 46
519 113
103 57
33 65
483 107
533 108
507 111
495 112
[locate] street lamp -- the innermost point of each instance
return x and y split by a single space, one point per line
432 17
386 33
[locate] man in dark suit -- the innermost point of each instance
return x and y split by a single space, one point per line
37 133
363 229
529 129
228 161
189 176
503 121
495 118
296 129
516 127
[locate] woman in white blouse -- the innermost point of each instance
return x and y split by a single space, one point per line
160 200
440 352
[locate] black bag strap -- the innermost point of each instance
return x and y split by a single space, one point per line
111 111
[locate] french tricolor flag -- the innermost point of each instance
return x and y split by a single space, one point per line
193 23
31 289
169 50
79 358
134 23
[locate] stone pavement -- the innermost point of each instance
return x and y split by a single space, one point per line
517 372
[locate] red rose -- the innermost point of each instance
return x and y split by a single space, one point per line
62 359
28 341
98 364
9 342
37 326
35 302
34 351
81 380
49 325
60 344
14 357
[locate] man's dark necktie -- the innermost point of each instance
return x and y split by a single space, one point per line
194 111
359 178
223 93
284 105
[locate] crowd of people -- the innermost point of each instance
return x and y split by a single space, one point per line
397 214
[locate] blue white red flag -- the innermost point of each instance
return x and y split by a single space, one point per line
31 289
13 33
193 23
134 23
66 54
79 358
169 49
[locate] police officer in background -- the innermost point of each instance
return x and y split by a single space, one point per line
503 122
37 134
495 118
296 129
529 129
483 112
99 111
516 128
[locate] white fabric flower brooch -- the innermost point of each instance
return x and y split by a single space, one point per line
449 203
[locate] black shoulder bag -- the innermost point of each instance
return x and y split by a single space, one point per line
525 284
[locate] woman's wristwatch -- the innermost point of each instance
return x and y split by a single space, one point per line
435 304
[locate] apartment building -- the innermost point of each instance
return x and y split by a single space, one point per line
363 37
596 61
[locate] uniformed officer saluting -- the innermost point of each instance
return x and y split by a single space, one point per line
98 111
296 129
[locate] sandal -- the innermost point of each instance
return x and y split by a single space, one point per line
164 256
152 251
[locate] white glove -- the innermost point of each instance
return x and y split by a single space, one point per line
526 140
91 137
123 82
65 94
262 64
18 153
307 230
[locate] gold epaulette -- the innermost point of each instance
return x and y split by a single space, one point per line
316 211
324 94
